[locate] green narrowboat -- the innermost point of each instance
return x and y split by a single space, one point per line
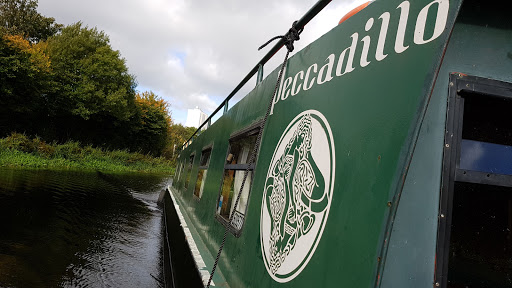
381 158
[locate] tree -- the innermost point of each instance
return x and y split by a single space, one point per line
151 122
20 17
24 84
93 77
95 94
39 60
25 69
177 135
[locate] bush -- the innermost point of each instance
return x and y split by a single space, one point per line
69 150
42 148
18 141
19 150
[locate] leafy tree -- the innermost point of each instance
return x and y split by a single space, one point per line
93 77
24 84
152 120
95 97
177 135
21 17
25 69
40 61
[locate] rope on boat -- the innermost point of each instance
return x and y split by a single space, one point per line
289 38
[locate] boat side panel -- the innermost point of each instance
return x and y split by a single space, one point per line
178 254
246 113
476 50
372 112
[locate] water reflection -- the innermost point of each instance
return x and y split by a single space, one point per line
76 229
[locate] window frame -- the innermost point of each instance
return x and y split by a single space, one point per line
251 130
190 165
451 171
179 172
204 167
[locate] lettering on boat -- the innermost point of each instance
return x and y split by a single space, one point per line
297 196
344 64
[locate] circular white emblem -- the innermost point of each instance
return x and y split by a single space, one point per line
297 196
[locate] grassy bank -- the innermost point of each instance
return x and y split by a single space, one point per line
18 150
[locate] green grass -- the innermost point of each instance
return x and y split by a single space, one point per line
18 150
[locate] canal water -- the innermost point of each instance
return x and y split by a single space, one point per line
80 229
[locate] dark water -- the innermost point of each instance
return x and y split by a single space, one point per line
76 229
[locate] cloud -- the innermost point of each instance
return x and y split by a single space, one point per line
193 53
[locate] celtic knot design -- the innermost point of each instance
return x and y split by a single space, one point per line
295 191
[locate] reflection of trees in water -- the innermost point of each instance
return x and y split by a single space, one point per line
58 224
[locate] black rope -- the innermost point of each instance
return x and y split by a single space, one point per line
290 37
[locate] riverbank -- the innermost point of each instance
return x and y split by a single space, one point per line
18 151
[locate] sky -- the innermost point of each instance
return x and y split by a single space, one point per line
194 52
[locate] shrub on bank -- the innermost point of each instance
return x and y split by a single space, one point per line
18 150
21 142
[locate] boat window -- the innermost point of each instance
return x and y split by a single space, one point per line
475 227
189 170
486 157
177 174
201 174
236 165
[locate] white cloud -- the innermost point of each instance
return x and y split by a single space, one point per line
193 53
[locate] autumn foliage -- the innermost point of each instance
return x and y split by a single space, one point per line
68 84
153 120
36 52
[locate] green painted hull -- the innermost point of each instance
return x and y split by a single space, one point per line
383 121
